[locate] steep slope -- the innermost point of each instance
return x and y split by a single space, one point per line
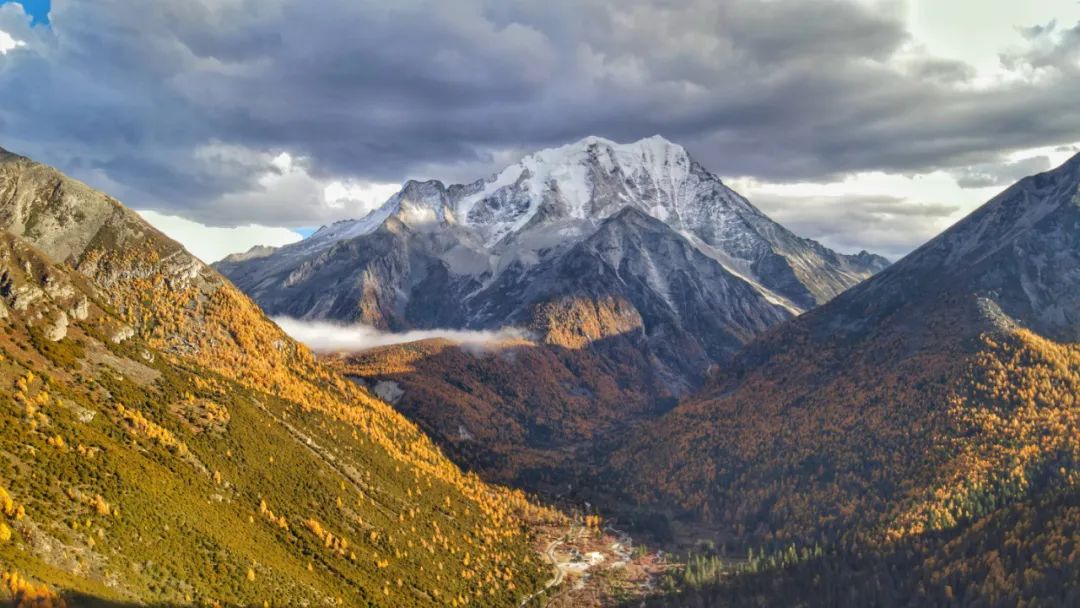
683 306
392 270
491 246
387 279
935 394
1020 251
517 412
576 185
165 443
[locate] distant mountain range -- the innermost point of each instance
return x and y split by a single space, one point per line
588 241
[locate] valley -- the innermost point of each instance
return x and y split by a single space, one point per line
634 272
176 447
817 438
533 304
816 444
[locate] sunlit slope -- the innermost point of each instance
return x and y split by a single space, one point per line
170 445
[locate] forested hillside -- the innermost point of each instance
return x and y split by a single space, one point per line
996 525
924 422
529 414
166 444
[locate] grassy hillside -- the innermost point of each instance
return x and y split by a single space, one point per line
165 443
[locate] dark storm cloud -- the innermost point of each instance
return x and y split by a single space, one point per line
944 71
181 104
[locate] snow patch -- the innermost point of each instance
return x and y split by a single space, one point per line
563 174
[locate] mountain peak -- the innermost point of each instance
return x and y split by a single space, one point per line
540 207
420 203
653 142
651 149
415 189
631 214
586 180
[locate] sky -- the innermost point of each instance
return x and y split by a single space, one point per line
228 123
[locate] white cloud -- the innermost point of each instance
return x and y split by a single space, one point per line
361 196
977 31
890 214
1057 154
282 187
322 336
7 42
209 243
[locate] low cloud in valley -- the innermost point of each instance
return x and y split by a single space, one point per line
321 336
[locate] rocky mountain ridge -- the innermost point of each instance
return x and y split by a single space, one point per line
485 254
918 401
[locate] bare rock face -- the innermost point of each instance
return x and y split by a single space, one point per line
58 328
1018 254
123 333
81 310
258 251
4 314
58 290
25 296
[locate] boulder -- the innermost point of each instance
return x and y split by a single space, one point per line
57 330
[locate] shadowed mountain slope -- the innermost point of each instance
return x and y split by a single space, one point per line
922 399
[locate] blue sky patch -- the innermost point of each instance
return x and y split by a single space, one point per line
38 10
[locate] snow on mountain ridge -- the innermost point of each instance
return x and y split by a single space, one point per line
566 179
652 161
417 204
541 206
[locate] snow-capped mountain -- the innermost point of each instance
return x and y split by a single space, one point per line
495 251
573 187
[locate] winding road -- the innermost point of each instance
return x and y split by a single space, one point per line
560 573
